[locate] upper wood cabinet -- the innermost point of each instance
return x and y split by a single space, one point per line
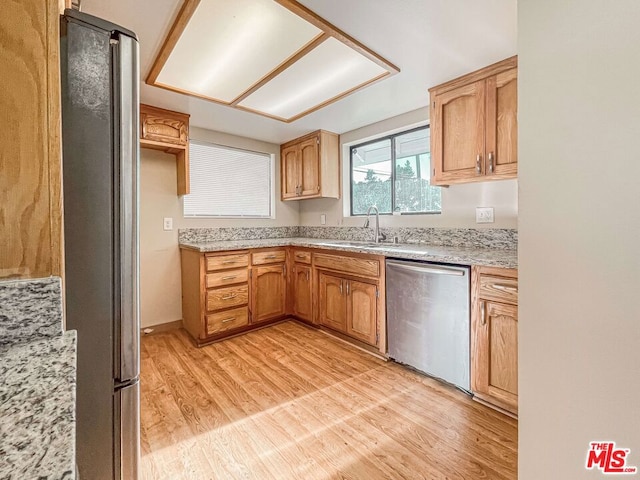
30 146
474 126
494 337
310 167
168 131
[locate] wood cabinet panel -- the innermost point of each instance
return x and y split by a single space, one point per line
502 124
458 133
222 262
227 277
332 302
268 287
164 126
271 256
30 144
227 297
289 175
500 289
301 256
310 167
357 266
302 300
227 320
361 311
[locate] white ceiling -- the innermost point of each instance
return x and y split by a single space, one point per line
431 41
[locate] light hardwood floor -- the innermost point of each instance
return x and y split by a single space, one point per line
289 402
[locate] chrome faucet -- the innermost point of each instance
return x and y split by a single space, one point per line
377 236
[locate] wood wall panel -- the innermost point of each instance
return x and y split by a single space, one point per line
30 140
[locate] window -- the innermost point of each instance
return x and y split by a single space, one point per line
392 173
228 182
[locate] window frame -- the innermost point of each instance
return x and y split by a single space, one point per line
272 183
392 138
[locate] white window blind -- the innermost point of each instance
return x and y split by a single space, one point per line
228 182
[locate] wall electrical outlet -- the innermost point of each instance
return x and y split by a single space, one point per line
484 215
323 219
167 223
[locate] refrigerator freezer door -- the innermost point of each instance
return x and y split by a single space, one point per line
127 424
126 83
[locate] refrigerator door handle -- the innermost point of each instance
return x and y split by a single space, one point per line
128 105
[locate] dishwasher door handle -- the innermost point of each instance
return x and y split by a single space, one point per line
427 269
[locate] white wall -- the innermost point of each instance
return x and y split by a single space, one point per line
579 233
159 254
458 201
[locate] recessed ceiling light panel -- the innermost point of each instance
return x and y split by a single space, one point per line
275 58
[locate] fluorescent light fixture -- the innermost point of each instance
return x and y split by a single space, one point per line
272 57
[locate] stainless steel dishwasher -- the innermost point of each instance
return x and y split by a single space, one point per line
428 318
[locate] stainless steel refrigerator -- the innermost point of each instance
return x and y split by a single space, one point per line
100 110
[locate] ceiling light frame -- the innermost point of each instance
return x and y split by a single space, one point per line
327 31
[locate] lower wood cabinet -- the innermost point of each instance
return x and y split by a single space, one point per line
349 306
268 283
494 366
226 293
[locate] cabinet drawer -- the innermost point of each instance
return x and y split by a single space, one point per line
222 321
301 256
227 297
499 289
222 262
228 277
275 256
359 266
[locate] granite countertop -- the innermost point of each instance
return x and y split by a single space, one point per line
37 408
489 257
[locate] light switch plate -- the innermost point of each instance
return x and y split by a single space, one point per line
323 219
167 223
484 215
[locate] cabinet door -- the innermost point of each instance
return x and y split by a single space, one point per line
457 125
496 356
302 291
502 124
268 286
309 168
332 302
361 311
289 174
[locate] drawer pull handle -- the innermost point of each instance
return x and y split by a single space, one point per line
270 257
227 320
230 277
505 288
299 255
227 262
230 296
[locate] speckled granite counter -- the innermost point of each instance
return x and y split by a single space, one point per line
490 257
37 408
37 393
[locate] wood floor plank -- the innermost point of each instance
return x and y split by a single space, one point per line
289 402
